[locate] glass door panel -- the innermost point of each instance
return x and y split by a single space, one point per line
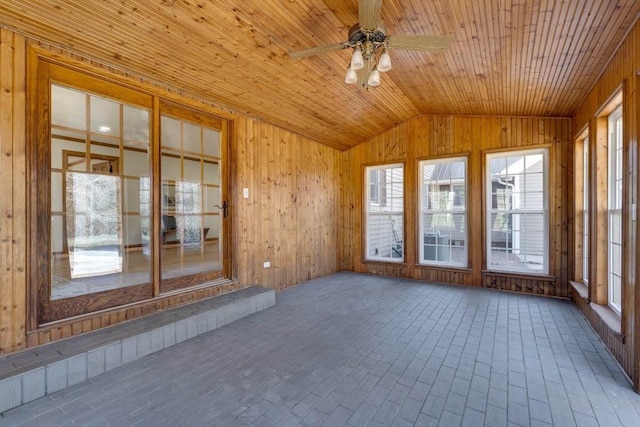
99 202
190 197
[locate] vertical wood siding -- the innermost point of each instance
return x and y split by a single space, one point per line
12 196
292 214
622 71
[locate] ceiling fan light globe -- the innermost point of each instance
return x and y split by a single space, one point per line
374 78
384 64
357 61
351 76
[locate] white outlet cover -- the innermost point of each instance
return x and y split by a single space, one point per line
245 193
266 264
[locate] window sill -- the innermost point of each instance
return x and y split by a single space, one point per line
445 267
383 262
606 314
546 277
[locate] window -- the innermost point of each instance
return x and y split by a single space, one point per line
384 233
443 217
585 211
517 224
614 211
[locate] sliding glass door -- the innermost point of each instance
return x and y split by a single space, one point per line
129 196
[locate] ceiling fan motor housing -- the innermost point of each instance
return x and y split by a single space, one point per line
357 34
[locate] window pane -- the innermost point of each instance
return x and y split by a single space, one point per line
192 138
136 127
615 190
170 133
211 143
105 116
68 108
517 217
443 219
385 213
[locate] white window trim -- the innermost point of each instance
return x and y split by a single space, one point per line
545 210
613 119
586 218
368 202
455 210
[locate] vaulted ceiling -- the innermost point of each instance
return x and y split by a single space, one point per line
507 57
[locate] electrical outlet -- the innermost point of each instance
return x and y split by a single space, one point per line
245 193
266 264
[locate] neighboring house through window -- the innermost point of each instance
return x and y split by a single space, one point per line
517 211
384 211
443 218
615 191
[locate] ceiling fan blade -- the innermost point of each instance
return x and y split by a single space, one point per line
426 43
317 50
369 13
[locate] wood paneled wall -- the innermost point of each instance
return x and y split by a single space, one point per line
292 214
12 191
444 135
622 72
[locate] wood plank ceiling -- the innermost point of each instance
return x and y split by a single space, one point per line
508 57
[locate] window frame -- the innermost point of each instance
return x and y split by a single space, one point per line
457 208
615 206
488 210
586 217
385 209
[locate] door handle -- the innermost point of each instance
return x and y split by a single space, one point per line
224 208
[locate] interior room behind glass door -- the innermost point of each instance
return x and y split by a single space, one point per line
191 238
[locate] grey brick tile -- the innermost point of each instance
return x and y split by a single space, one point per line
95 362
387 412
441 388
377 396
425 420
497 398
540 411
401 422
77 369
477 400
449 419
33 385
330 402
10 393
495 416
314 418
460 386
433 405
410 409
398 393
585 420
56 376
419 391
472 418
113 356
338 417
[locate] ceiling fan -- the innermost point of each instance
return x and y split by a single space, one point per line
369 40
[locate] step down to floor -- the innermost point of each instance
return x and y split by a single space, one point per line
33 373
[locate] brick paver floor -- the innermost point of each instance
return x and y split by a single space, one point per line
362 350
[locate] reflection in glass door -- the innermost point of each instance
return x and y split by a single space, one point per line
190 236
99 194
